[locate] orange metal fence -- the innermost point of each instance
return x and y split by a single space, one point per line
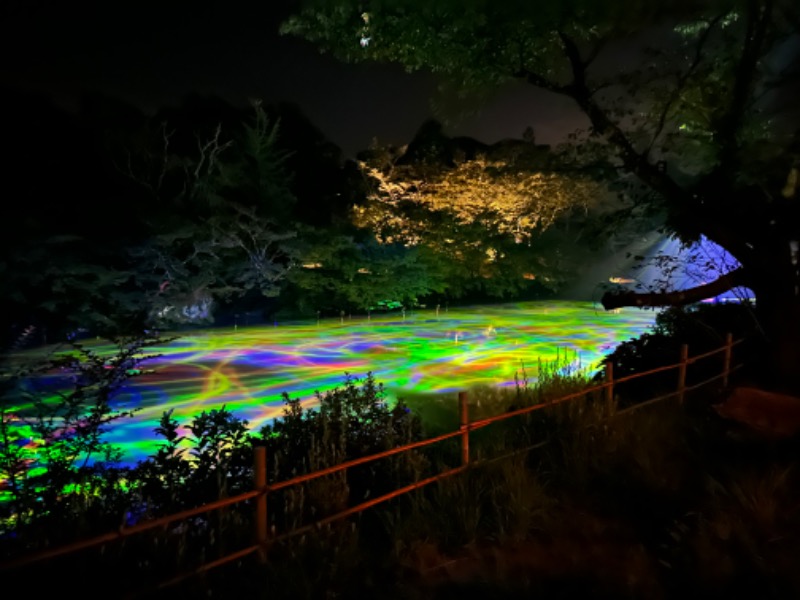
262 489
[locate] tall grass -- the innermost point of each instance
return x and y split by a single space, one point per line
574 496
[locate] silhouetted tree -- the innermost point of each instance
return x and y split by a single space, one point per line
688 104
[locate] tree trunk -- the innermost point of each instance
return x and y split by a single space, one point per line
612 300
778 312
777 288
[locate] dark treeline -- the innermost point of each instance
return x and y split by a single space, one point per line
120 220
91 184
69 169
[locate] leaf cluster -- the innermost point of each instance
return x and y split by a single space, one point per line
55 461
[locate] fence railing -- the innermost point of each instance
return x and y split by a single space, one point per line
262 488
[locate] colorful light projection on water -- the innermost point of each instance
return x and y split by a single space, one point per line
247 370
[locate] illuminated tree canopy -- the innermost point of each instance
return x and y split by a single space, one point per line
488 217
503 187
692 101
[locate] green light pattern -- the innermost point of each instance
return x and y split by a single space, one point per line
247 369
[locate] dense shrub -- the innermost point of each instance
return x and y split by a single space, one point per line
214 462
59 468
702 327
569 486
59 474
351 421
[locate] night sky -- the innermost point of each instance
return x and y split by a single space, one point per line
155 54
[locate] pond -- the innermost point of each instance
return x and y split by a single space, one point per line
421 351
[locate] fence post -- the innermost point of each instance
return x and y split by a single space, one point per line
726 366
464 418
260 481
682 373
609 387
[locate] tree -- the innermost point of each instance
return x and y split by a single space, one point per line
348 272
485 215
689 105
58 269
223 224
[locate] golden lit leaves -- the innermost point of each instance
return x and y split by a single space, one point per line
500 195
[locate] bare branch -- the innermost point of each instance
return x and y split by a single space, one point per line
209 152
539 81
633 161
166 137
730 280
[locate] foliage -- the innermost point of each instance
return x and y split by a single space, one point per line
217 440
695 122
687 78
352 421
501 219
55 464
340 273
214 462
701 327
493 218
223 229
227 233
163 477
204 217
700 512
505 187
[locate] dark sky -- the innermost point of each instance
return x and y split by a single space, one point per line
155 56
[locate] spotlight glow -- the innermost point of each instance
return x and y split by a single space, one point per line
696 265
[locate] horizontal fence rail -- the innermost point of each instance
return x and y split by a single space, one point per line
262 489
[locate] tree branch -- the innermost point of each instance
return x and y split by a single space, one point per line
209 152
728 126
539 81
595 52
166 137
688 201
735 278
683 78
633 161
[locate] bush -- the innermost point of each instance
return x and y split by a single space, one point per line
60 476
702 327
352 421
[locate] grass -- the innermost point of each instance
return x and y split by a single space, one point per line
646 504
661 502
